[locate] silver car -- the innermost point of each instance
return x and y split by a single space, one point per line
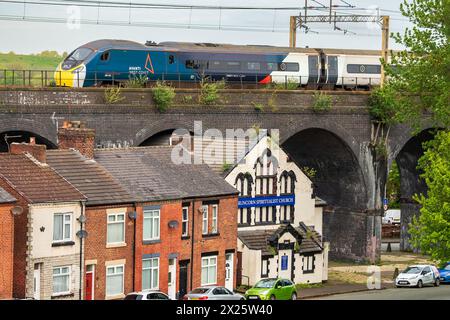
147 295
418 276
212 293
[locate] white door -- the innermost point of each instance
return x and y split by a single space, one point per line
229 263
37 282
172 279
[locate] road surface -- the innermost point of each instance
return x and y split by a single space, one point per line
427 293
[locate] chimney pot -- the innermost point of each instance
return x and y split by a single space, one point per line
75 135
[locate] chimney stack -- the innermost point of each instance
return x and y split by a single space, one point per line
38 151
74 134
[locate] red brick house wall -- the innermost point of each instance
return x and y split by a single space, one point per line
95 248
171 240
6 251
20 242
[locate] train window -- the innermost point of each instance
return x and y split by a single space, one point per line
289 66
272 66
190 64
233 65
364 68
253 66
216 65
104 56
171 59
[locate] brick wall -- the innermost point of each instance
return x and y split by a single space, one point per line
20 242
6 251
97 253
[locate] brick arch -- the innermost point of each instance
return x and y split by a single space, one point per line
147 132
37 128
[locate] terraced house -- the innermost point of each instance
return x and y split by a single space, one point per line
46 246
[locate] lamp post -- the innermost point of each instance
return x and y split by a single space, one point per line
81 234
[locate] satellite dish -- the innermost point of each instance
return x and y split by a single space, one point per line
82 234
16 210
173 224
132 215
82 218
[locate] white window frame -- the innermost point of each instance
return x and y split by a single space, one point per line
152 219
185 221
214 219
208 265
151 274
205 219
115 222
115 274
64 236
69 280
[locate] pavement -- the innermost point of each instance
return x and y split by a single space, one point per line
330 289
426 293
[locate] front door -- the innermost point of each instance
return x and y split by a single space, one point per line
37 282
284 267
172 279
89 290
183 278
229 279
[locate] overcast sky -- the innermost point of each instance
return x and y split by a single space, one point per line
31 37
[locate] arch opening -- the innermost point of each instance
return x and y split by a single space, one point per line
338 180
163 138
8 137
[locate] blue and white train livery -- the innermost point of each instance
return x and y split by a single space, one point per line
114 61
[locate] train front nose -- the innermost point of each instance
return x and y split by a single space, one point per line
63 78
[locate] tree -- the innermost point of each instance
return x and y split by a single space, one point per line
430 231
418 79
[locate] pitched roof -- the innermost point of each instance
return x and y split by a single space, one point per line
260 239
35 181
88 176
5 197
150 174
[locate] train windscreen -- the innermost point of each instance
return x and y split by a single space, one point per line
76 57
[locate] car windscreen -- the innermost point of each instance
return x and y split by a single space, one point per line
412 270
133 297
447 267
200 290
266 283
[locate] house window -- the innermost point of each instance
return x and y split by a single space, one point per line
308 264
116 228
264 267
151 224
185 221
61 280
150 273
205 220
62 227
215 212
209 270
114 280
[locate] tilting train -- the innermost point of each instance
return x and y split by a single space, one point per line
114 61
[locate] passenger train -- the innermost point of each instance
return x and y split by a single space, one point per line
116 61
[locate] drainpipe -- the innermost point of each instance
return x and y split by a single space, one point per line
134 249
83 211
192 242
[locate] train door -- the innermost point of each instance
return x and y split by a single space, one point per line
314 71
331 70
172 71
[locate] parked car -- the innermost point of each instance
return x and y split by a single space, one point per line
418 276
392 216
147 295
272 289
444 273
212 293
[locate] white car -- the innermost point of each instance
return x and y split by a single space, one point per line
418 276
147 295
392 216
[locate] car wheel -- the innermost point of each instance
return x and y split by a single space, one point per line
272 297
419 284
242 299
437 282
294 296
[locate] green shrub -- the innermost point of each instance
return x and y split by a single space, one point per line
209 91
309 172
258 106
113 95
322 102
136 81
188 99
226 167
382 106
163 95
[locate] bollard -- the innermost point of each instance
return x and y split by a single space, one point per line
389 249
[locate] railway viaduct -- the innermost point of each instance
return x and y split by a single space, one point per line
338 144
